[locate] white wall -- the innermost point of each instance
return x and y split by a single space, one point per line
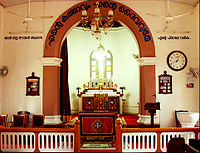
125 68
24 56
182 98
1 52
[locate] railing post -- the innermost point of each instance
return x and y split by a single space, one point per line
118 136
0 141
158 142
77 137
36 142
196 132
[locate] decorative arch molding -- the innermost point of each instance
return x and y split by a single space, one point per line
121 12
68 19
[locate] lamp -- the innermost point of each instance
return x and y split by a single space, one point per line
97 21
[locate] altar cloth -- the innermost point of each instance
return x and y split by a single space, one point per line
97 124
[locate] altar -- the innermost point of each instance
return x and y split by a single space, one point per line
97 123
105 100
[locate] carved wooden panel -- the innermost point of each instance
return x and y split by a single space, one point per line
101 103
113 104
88 104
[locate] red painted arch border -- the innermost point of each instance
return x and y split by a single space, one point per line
67 20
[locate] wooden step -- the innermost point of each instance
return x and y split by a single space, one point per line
97 147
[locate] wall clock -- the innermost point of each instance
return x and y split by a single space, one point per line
177 60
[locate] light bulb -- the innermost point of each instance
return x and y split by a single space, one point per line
97 34
84 13
110 12
97 10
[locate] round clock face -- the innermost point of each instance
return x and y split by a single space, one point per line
177 60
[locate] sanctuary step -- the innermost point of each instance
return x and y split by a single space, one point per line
98 144
98 147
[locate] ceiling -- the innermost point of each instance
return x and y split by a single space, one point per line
8 3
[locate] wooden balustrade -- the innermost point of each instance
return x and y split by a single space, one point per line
163 136
32 139
127 139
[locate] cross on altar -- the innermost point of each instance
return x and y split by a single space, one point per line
97 125
100 84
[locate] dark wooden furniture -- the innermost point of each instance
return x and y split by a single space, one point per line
152 107
18 120
176 145
102 103
60 125
38 121
3 120
26 115
195 143
97 123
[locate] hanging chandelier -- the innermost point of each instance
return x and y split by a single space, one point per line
97 21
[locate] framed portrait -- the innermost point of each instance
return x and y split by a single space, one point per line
32 85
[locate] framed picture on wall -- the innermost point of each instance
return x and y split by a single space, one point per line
165 83
32 85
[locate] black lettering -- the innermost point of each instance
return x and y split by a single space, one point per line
58 25
132 16
136 19
145 32
121 9
105 5
54 32
127 12
51 38
113 6
64 18
141 27
147 38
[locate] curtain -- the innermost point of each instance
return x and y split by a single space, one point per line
64 86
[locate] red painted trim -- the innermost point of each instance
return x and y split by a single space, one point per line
59 29
147 86
51 90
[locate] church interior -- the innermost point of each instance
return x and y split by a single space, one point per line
99 76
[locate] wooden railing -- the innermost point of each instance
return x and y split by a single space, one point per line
68 139
40 139
150 139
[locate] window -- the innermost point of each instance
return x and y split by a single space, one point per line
101 64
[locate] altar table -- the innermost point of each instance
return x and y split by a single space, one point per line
97 123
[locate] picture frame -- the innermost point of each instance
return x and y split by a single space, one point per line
32 85
165 83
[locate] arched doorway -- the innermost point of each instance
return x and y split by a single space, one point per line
52 51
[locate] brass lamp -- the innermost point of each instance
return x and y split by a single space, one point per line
97 21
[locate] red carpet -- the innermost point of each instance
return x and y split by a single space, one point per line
131 119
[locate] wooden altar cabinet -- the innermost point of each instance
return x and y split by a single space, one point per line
97 123
103 101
